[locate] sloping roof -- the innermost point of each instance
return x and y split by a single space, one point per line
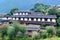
36 16
33 28
32 12
21 11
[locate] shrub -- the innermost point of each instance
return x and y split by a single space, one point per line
58 32
43 35
51 31
36 37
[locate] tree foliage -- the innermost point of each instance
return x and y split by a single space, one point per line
12 10
58 21
54 11
40 8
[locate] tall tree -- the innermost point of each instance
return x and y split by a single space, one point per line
58 21
3 31
54 11
40 8
12 10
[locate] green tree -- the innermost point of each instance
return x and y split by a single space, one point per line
51 31
18 28
58 12
13 30
52 11
11 33
23 30
12 10
4 31
58 21
40 8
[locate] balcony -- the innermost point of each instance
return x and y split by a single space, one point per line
39 22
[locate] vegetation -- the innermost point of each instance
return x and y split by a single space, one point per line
58 32
12 10
11 31
17 31
51 31
58 21
40 8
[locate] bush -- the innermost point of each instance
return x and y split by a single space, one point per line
36 37
51 31
43 35
58 32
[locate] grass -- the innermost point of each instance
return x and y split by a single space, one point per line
53 38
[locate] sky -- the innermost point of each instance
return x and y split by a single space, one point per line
7 5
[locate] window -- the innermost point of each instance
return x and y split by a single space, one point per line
29 30
30 35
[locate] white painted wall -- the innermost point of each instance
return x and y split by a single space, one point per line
13 18
15 14
23 13
29 19
21 19
34 19
17 18
43 20
48 20
20 13
25 19
26 13
38 19
53 20
4 19
9 18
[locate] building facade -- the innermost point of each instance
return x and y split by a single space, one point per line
29 17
